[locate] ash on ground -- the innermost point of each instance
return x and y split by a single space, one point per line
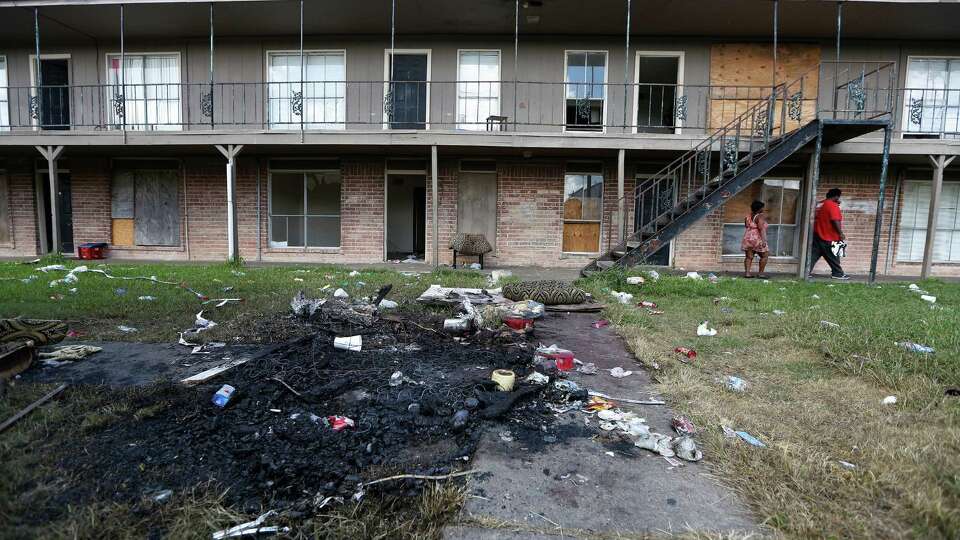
273 446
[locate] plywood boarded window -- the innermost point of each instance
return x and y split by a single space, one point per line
145 208
6 227
582 208
782 209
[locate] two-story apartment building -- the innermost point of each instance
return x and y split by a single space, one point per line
323 131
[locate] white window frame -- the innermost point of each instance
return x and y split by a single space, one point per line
954 229
35 122
338 126
906 128
499 99
304 247
796 226
606 75
386 79
680 55
5 102
108 96
563 202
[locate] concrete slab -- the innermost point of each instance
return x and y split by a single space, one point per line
631 492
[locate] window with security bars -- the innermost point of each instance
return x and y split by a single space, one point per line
914 213
319 102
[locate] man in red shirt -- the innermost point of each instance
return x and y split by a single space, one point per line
827 228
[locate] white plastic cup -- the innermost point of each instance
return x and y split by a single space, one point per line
351 343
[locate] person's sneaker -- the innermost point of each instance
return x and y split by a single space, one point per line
843 277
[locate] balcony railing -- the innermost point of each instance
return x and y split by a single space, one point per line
466 106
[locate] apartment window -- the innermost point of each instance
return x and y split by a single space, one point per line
321 97
151 91
478 88
4 96
658 77
305 209
585 78
781 199
582 208
913 223
932 97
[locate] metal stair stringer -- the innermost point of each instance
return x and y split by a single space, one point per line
726 190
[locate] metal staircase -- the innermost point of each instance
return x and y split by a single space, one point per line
857 101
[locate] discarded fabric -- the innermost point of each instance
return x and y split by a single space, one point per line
51 268
70 352
526 309
619 373
682 425
622 297
388 304
686 449
537 378
889 400
915 347
587 369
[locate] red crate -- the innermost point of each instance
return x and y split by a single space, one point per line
92 250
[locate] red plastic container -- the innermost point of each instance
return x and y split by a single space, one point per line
92 250
518 324
562 358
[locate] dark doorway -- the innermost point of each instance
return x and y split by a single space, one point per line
54 94
65 202
657 78
657 198
406 216
408 91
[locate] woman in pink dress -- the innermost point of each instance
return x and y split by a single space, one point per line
755 240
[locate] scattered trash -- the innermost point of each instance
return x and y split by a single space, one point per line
602 323
915 347
587 369
728 432
622 297
250 528
683 425
305 307
126 329
437 295
562 358
388 304
396 379
928 298
353 273
497 276
654 275
815 296
120 291
52 267
726 310
619 373
685 448
889 400
223 395
517 323
238 273
475 266
750 439
526 309
504 378
29 279
203 324
828 324
147 298
597 403
506 436
647 304
162 496
340 293
73 333
735 383
694 276
625 400
913 287
673 462
635 280
340 423
953 392
685 351
703 330
460 418
655 442
537 378
713 277
779 312
456 325
351 343
70 352
846 464
298 279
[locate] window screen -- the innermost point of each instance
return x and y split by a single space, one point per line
305 209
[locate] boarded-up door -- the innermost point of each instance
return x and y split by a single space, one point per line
156 215
477 205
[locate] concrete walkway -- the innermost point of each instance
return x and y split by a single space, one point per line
529 495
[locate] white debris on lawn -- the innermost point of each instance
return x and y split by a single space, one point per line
622 297
340 293
704 330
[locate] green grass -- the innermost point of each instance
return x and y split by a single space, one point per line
814 396
95 309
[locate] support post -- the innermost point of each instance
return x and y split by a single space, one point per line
516 53
211 68
230 152
776 37
622 210
36 45
51 154
123 66
435 197
939 164
626 74
303 69
878 223
811 204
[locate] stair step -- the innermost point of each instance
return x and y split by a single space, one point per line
605 264
632 244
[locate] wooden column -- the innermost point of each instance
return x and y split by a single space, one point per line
435 194
51 154
939 163
230 152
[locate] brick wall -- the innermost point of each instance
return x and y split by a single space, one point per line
23 210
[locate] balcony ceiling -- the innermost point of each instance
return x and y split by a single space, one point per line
725 19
